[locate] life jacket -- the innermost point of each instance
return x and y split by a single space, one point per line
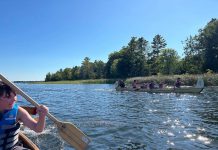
151 85
9 129
177 84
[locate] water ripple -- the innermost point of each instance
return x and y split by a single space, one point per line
129 120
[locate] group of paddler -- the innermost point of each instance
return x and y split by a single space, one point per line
151 85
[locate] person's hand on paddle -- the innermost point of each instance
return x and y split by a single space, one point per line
42 110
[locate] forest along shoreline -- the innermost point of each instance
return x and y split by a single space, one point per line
210 79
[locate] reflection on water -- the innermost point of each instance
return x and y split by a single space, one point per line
128 120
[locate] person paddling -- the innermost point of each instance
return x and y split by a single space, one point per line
134 84
151 85
121 83
11 115
178 83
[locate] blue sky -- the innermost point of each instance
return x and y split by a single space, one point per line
41 36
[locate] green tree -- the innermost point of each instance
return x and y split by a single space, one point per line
157 44
201 51
168 61
48 77
208 39
109 71
67 74
130 61
57 76
114 69
86 70
75 73
99 68
193 60
135 57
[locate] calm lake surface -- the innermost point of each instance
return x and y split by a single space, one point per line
127 120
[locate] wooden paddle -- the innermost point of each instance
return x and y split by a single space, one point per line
69 132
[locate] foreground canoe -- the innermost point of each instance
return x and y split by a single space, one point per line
26 142
164 90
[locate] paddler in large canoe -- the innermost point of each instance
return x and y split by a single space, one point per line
11 115
177 88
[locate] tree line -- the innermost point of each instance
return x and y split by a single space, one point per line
142 58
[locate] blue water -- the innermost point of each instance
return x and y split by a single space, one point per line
127 120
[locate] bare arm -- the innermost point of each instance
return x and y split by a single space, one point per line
29 122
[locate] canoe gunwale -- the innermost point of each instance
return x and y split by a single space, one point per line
27 143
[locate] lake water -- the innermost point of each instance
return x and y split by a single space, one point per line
128 120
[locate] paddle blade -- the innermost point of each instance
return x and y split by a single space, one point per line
73 136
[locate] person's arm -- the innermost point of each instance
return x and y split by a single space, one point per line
29 122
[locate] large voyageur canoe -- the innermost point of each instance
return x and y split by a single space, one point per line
184 89
164 90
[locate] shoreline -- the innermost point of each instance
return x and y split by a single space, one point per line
189 80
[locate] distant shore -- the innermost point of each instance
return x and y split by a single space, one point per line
209 80
88 81
187 79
